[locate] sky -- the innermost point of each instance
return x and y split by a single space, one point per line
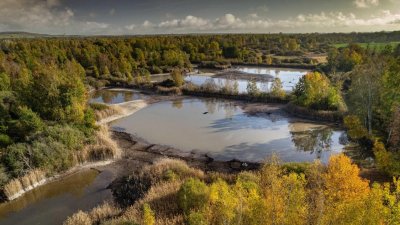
132 17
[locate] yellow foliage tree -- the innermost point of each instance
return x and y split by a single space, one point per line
223 203
342 181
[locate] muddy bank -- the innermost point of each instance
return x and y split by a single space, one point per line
138 152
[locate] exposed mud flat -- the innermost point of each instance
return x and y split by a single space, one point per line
238 75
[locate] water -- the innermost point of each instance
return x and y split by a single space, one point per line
115 96
225 131
54 202
289 78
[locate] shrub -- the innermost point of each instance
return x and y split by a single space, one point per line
130 189
197 218
5 140
177 76
148 215
252 88
193 195
277 89
355 129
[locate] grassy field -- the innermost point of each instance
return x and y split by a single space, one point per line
373 45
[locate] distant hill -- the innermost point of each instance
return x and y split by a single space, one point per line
21 35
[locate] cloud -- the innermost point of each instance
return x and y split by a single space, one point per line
253 15
147 24
131 27
231 23
96 25
33 14
365 3
112 12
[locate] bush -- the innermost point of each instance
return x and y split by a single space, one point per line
193 195
197 218
130 189
252 88
5 140
277 89
177 76
148 215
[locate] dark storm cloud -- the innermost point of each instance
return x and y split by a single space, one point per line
184 16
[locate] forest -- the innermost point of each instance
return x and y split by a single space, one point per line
47 124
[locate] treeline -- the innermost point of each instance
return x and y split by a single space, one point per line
369 82
44 117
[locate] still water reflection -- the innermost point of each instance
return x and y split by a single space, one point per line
223 130
54 202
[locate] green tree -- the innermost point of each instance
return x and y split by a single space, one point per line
252 88
277 89
177 77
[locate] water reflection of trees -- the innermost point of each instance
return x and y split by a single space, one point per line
108 96
314 141
128 96
177 103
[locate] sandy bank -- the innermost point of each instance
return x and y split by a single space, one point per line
124 109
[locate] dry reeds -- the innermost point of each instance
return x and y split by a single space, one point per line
169 90
162 199
79 218
97 215
14 187
112 110
104 212
18 186
160 169
104 147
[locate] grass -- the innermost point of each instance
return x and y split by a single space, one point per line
379 46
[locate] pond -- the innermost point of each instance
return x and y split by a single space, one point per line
223 130
52 203
115 96
289 78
